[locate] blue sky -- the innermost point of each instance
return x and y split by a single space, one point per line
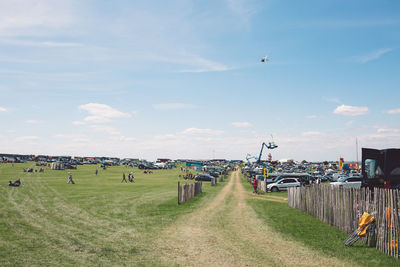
183 79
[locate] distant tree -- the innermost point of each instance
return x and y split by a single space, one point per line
325 162
304 161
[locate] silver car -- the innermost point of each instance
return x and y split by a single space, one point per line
349 182
283 184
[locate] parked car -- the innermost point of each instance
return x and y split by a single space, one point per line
143 166
203 177
301 177
325 178
337 176
213 174
283 184
349 182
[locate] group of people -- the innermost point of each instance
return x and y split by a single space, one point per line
130 178
184 169
33 170
187 176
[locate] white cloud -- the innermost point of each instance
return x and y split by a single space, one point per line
166 137
170 106
78 123
101 113
243 124
65 135
104 129
204 65
26 138
392 111
311 133
387 130
22 16
203 132
123 138
372 56
194 62
350 110
3 109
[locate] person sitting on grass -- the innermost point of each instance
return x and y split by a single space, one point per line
16 183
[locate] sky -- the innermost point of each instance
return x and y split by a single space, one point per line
184 79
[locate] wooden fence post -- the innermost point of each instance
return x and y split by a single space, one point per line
188 191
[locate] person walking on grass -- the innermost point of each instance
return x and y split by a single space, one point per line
97 171
124 178
255 184
70 178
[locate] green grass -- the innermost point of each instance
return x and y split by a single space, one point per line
296 225
97 221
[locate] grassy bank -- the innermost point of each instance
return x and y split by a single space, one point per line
97 221
299 226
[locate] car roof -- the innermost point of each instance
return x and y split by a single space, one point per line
287 178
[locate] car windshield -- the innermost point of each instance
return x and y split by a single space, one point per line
342 179
277 179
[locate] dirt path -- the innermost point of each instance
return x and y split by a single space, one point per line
227 232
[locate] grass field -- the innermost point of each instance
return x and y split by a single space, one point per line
100 221
97 221
313 233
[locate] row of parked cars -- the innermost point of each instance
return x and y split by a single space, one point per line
281 182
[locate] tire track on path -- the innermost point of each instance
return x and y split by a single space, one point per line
227 232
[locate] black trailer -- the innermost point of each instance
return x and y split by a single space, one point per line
381 168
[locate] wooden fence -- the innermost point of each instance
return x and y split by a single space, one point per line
343 207
188 191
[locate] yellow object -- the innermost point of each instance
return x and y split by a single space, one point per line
365 220
266 172
394 244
